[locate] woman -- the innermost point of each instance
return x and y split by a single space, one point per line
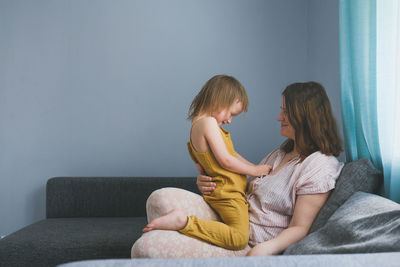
283 204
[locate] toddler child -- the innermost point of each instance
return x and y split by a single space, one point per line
221 98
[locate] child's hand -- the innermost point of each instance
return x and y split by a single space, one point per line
263 169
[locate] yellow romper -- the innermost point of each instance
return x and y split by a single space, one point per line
228 200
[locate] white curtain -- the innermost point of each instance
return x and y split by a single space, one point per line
388 93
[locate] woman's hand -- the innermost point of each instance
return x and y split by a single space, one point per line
262 249
262 169
204 183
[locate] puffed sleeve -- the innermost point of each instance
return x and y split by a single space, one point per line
318 174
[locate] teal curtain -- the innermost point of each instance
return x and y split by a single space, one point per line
357 23
370 104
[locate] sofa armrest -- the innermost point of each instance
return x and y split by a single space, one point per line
68 197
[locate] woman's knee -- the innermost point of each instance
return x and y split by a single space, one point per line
162 197
159 244
155 198
148 245
138 249
158 203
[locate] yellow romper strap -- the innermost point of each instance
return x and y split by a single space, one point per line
189 145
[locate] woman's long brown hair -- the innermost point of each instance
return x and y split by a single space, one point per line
309 112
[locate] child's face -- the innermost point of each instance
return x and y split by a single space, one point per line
225 115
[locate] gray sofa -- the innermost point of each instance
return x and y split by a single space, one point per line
100 218
86 218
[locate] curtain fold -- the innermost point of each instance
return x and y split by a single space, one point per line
388 85
357 23
369 40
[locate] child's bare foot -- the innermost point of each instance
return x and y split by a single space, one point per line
175 220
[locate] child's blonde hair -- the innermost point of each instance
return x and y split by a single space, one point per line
220 92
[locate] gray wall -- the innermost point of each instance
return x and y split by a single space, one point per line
323 50
102 88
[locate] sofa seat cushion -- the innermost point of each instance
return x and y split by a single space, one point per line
54 241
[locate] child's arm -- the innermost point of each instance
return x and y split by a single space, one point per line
217 145
244 160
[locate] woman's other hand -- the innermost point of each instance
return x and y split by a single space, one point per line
204 183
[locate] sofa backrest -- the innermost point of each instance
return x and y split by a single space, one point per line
106 196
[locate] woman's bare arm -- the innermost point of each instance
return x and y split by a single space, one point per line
305 211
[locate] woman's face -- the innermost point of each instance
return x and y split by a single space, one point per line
287 129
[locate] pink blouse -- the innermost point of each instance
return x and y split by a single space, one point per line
272 197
